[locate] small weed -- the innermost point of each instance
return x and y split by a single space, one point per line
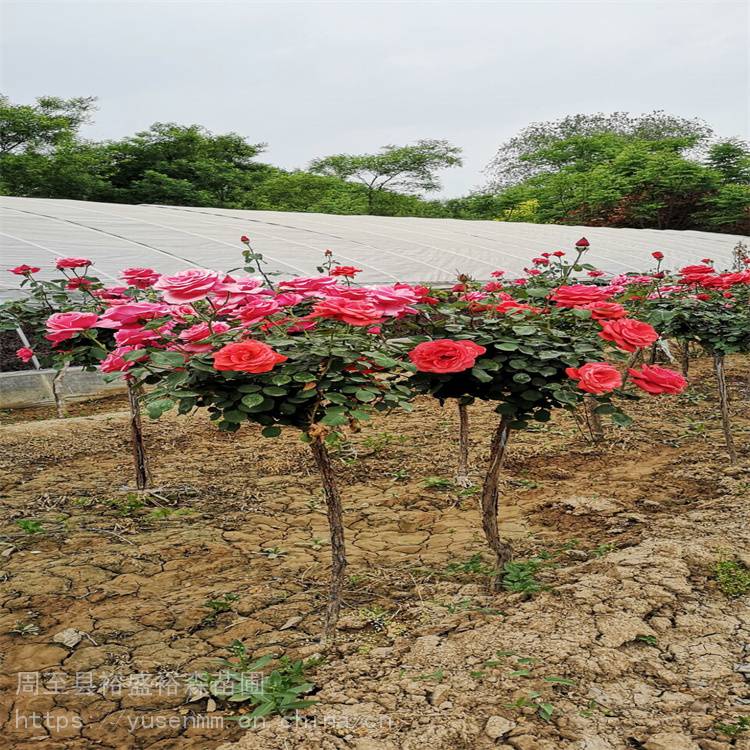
127 507
520 576
382 440
25 629
240 681
272 553
401 475
733 578
438 483
225 603
602 549
649 640
29 525
437 676
475 565
735 728
534 700
526 484
159 514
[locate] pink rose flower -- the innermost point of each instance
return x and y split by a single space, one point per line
25 354
187 286
62 326
114 361
140 278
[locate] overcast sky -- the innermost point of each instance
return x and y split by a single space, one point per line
314 78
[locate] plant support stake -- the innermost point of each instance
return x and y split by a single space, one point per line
462 475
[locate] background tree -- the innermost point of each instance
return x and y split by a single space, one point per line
38 128
183 165
411 169
527 154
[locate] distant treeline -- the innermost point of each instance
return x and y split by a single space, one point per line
650 171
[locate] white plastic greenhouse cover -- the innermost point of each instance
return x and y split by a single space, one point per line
387 249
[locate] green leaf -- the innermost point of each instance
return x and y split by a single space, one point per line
156 408
525 330
252 399
363 395
274 390
605 409
506 346
622 420
167 359
271 432
481 375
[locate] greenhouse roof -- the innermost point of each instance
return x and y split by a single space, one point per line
387 249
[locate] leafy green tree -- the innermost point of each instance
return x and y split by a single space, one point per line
532 151
410 169
183 165
732 160
42 126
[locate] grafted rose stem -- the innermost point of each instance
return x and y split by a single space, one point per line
502 549
726 423
335 515
140 461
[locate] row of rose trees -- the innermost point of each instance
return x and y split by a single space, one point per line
321 354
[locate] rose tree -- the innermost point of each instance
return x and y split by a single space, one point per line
530 361
301 355
711 309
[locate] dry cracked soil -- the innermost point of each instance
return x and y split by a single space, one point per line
110 600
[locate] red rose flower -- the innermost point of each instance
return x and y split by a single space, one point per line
445 355
24 354
580 294
244 239
25 270
583 242
656 380
72 263
353 312
605 310
658 255
628 334
595 377
247 356
347 271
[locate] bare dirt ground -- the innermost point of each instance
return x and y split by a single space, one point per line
631 643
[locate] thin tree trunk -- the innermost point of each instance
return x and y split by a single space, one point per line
593 419
462 475
685 358
140 461
57 393
336 527
652 355
503 551
724 406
